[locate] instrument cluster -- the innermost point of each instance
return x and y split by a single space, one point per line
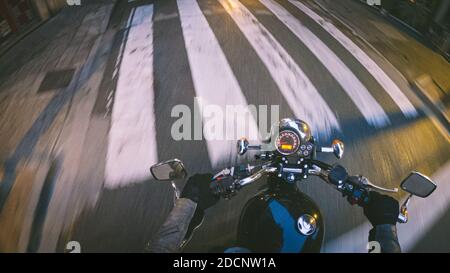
289 143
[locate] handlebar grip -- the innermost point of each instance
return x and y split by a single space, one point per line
359 197
356 193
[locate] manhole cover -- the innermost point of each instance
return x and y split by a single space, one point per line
56 79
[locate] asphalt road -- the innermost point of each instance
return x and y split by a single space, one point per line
163 54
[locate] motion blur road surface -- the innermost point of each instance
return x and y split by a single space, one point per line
89 101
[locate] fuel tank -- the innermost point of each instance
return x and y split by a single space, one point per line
274 222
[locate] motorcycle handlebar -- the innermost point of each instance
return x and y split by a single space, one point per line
355 188
356 191
250 179
319 168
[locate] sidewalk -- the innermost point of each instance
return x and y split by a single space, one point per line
426 71
49 82
14 38
396 43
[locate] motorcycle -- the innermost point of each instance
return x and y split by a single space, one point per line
281 218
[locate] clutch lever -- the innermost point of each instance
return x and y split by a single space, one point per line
250 179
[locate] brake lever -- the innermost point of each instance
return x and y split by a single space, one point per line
365 182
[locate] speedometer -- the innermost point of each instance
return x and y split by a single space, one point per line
287 142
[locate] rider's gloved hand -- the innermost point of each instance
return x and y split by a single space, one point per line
222 186
197 189
381 209
223 183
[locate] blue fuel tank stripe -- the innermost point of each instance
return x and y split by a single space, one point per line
293 241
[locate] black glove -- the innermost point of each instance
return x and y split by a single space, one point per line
197 190
223 185
381 209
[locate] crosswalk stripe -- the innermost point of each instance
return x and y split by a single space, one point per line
214 81
174 87
358 93
132 145
303 98
381 77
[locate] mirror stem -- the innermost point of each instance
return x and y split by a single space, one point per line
176 190
254 147
403 215
406 203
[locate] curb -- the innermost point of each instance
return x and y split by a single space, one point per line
422 38
20 37
431 94
19 210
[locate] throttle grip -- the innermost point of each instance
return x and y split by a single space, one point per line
355 192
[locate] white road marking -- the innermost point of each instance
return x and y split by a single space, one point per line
132 141
301 95
380 76
367 105
214 81
109 100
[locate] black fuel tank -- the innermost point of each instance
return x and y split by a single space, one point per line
281 222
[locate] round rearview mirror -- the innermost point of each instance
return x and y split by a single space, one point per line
242 146
338 148
418 184
168 170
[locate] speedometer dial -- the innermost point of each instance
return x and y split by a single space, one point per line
287 142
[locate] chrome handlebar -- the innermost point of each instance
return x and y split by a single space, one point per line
250 179
323 172
268 168
317 168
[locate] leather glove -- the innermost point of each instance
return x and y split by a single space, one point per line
197 190
223 183
381 209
